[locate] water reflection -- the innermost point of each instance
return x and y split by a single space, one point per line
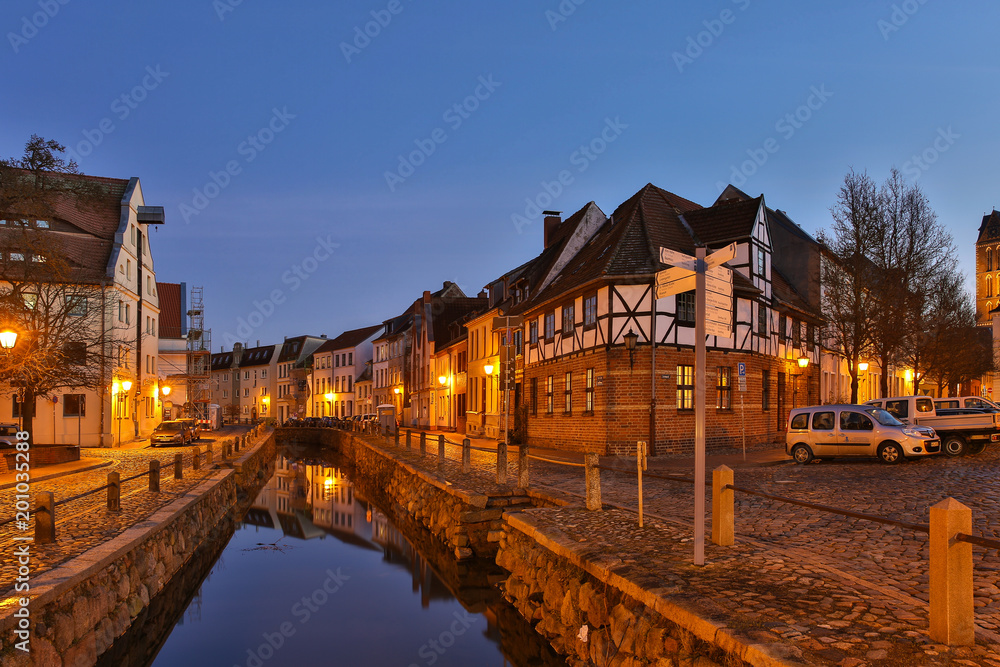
318 573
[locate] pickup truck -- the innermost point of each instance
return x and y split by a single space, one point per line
960 433
966 403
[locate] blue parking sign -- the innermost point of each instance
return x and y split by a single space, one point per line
742 369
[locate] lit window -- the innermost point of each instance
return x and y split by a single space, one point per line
685 387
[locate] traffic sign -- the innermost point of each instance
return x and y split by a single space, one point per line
718 329
742 382
674 281
716 300
508 322
741 369
721 256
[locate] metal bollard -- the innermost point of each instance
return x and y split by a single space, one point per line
951 599
592 477
408 443
501 463
522 466
723 507
45 518
178 466
423 443
154 476
114 492
440 449
196 462
466 455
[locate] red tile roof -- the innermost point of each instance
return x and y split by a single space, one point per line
171 317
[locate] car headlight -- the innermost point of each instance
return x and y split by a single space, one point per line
915 432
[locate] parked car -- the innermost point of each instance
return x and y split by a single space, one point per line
965 402
8 433
961 430
827 431
193 427
174 432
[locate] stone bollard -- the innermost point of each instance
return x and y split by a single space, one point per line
154 476
408 444
236 443
501 463
208 455
440 449
522 466
395 437
196 462
951 616
178 466
592 476
466 455
45 518
723 507
114 492
423 443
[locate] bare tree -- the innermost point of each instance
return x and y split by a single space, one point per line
61 312
849 277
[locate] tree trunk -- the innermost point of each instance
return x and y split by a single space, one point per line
28 414
854 387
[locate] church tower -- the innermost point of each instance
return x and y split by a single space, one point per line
988 268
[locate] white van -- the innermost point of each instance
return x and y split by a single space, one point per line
826 431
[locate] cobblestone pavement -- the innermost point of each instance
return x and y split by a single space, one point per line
836 590
86 522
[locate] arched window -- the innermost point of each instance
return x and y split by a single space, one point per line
989 285
989 259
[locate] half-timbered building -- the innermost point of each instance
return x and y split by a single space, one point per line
595 283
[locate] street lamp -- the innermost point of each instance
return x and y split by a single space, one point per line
631 338
8 338
164 392
122 398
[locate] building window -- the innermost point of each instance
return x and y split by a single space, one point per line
460 405
989 259
568 407
796 334
989 285
534 397
590 390
724 389
548 394
761 262
550 325
782 328
590 312
74 405
685 387
811 337
567 320
761 319
225 394
765 390
685 308
350 358
77 306
533 332
75 353
16 409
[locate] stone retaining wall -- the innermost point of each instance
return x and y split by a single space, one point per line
80 608
40 455
594 617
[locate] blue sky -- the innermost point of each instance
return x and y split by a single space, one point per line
322 177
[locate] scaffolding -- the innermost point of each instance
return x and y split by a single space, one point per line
199 360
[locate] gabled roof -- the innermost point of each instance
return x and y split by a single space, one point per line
989 230
366 374
171 312
454 311
257 356
725 222
222 361
348 339
397 325
787 298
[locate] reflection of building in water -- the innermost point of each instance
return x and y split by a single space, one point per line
398 550
310 500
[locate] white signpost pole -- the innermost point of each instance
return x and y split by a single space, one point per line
699 408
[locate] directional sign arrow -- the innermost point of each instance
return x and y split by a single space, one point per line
717 329
679 259
720 301
721 256
674 281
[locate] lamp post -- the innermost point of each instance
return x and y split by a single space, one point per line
8 338
125 385
631 338
862 370
164 392
488 368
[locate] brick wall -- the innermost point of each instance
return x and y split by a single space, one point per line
622 394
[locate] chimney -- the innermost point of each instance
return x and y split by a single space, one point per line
427 296
448 284
552 221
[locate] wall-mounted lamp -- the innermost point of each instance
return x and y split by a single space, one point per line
443 380
631 338
803 362
488 368
863 366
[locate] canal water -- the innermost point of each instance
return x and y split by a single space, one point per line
316 573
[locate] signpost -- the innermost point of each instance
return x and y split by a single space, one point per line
742 372
713 316
507 365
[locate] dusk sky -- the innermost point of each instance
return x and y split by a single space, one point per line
297 156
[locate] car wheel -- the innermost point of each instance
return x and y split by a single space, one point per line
802 454
890 452
976 447
954 445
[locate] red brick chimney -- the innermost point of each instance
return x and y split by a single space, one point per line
552 221
427 296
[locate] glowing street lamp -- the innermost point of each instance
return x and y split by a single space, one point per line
488 368
803 362
8 338
863 366
122 398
